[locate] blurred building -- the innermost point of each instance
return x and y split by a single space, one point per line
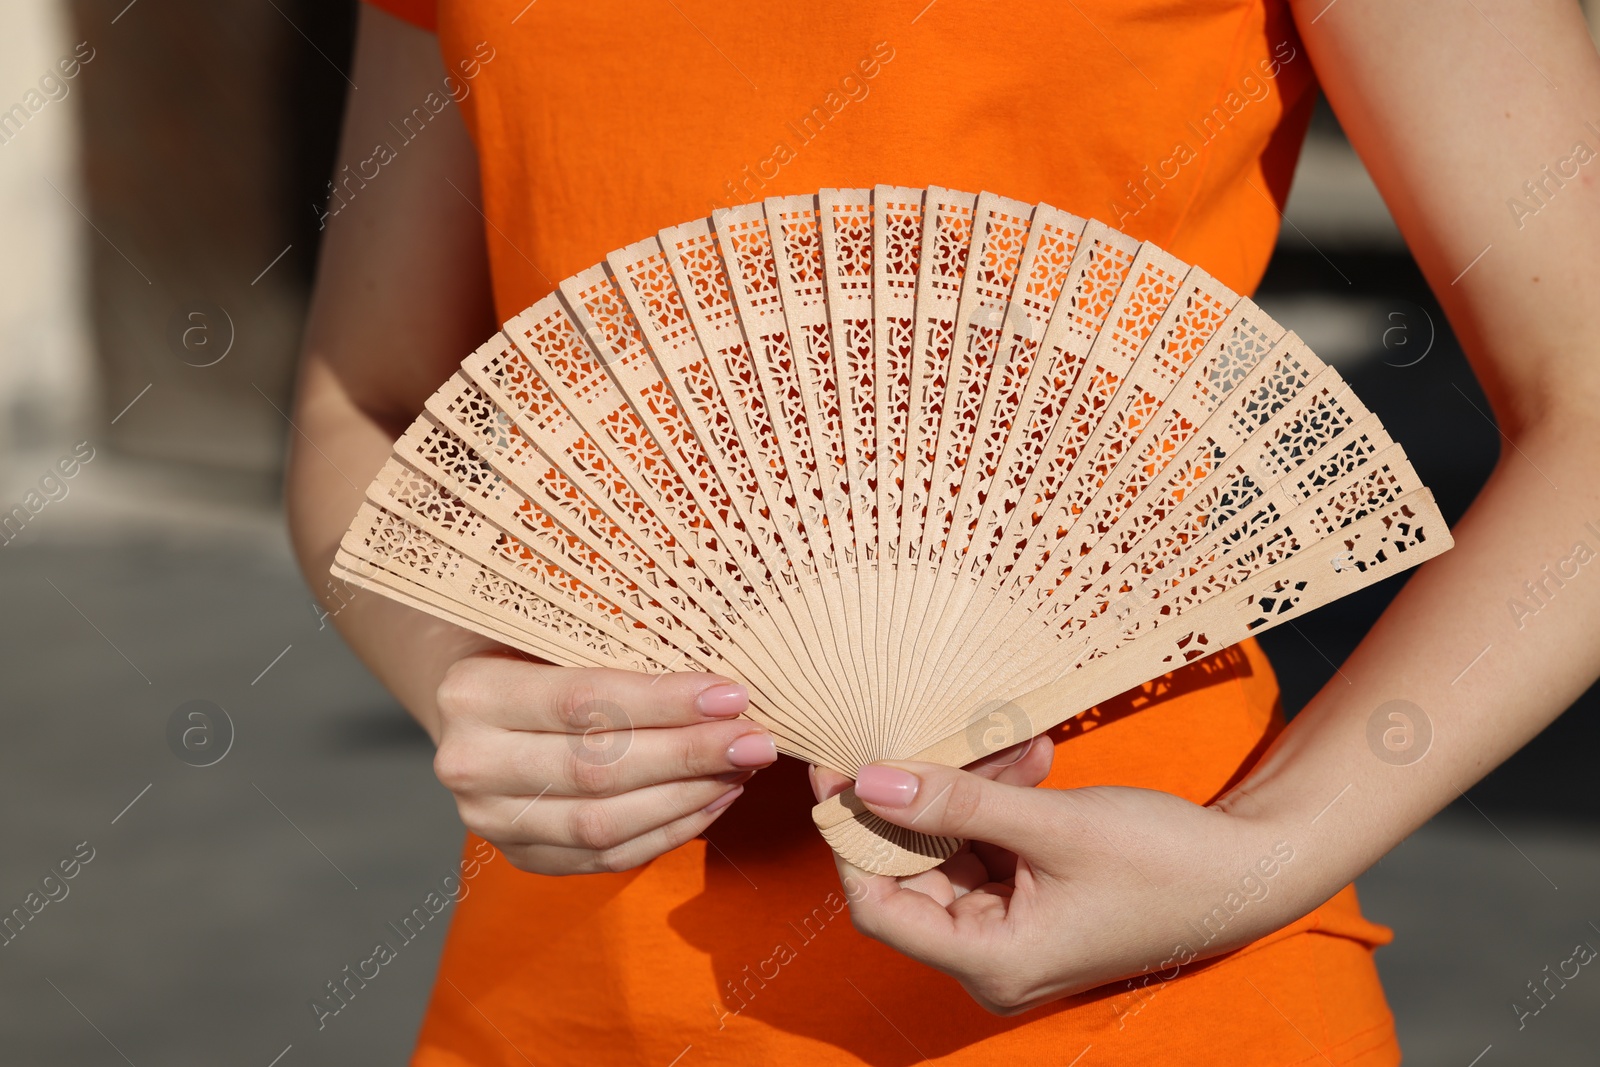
161 220
46 372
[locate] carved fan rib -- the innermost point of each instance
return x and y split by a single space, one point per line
929 471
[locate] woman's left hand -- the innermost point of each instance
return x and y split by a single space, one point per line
1064 890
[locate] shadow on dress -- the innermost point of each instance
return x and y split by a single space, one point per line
773 918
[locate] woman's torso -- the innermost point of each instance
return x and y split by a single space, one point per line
598 123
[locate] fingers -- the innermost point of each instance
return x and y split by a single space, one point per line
911 920
513 694
573 771
947 802
826 782
603 763
595 824
1026 764
952 879
939 918
555 859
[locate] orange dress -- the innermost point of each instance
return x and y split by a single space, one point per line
599 122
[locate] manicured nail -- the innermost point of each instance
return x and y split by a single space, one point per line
723 701
888 787
752 750
723 801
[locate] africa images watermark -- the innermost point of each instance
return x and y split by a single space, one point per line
200 733
1536 1001
1153 177
853 87
54 85
1252 889
1539 191
1540 593
52 487
52 889
452 889
343 593
1399 732
752 979
347 184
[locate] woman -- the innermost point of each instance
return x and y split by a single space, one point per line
1181 893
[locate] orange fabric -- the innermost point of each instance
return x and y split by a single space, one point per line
598 123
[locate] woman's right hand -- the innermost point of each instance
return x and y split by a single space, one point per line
577 771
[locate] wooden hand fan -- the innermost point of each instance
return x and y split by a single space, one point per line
930 472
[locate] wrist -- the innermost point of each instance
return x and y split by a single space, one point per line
408 651
1288 870
1330 812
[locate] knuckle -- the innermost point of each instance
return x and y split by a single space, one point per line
545 860
613 860
573 702
460 692
691 757
633 853
990 1006
863 924
531 861
1001 995
590 778
592 826
455 768
475 817
962 801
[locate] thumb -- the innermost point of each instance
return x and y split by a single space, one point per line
946 802
826 782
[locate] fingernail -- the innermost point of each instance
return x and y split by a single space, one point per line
888 787
752 750
723 801
723 701
735 777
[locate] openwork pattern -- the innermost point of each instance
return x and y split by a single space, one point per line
895 458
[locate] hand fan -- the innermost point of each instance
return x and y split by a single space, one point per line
931 472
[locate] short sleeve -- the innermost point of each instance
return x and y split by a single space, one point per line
419 13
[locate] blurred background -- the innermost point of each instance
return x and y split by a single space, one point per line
160 228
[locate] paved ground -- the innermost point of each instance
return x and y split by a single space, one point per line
1477 914
224 897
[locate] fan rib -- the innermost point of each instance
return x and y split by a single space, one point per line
930 471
